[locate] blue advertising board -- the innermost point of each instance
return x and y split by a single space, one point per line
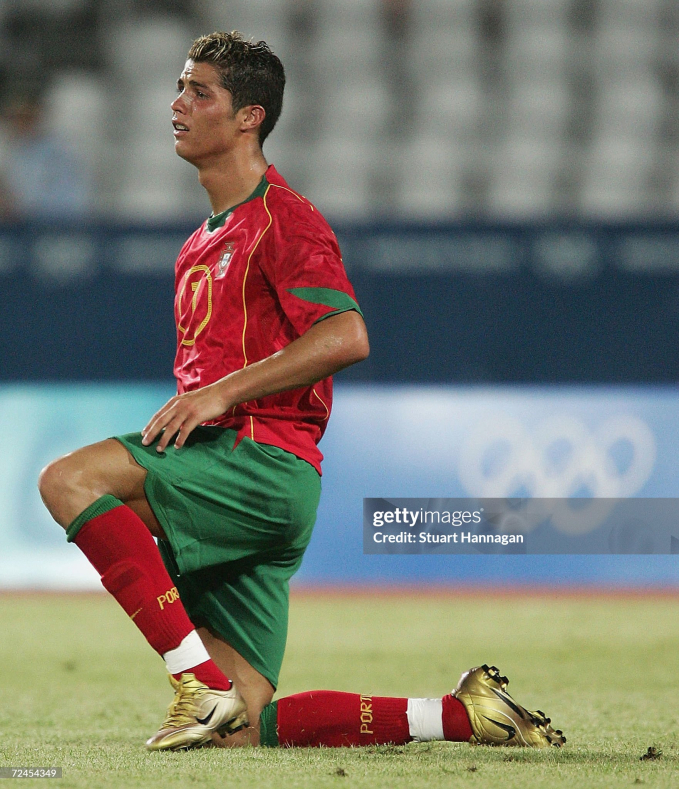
391 442
449 303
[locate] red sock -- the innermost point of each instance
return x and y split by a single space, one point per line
334 719
123 552
209 674
456 726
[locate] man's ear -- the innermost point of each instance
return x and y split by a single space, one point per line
252 117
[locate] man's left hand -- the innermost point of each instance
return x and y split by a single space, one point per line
182 414
326 348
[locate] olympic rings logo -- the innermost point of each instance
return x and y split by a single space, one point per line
560 458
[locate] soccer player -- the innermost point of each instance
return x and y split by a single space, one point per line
226 475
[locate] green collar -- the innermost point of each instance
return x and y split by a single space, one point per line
218 220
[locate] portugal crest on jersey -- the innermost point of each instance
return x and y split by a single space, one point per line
224 260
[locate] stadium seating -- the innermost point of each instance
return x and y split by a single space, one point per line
517 98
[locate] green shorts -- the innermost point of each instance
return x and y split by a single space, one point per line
237 523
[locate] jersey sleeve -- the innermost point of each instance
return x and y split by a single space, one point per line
305 267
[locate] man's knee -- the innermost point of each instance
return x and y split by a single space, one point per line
70 484
55 482
51 481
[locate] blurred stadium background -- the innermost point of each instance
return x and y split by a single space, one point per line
503 176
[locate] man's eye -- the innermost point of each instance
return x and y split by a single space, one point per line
201 95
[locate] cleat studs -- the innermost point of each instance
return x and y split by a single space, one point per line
483 690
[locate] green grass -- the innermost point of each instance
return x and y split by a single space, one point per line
81 690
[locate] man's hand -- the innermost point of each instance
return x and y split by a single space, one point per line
328 346
182 413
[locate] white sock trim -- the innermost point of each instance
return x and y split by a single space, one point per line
191 652
425 719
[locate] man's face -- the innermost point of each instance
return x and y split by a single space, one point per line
204 122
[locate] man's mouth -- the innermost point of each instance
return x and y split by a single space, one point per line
179 128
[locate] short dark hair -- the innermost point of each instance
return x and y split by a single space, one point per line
249 71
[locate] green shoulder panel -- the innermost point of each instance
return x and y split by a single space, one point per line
328 297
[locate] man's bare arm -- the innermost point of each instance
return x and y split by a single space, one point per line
328 346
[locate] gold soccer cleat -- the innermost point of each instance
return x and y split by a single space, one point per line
195 713
496 719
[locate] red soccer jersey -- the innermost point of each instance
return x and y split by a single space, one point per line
248 282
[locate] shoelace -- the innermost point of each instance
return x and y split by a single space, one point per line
181 711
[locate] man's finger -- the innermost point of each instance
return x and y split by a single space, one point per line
164 428
152 429
170 429
158 423
184 432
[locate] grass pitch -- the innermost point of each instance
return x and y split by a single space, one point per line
81 690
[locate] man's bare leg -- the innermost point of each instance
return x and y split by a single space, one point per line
479 711
72 483
97 494
254 687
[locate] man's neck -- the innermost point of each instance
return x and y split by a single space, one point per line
232 179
